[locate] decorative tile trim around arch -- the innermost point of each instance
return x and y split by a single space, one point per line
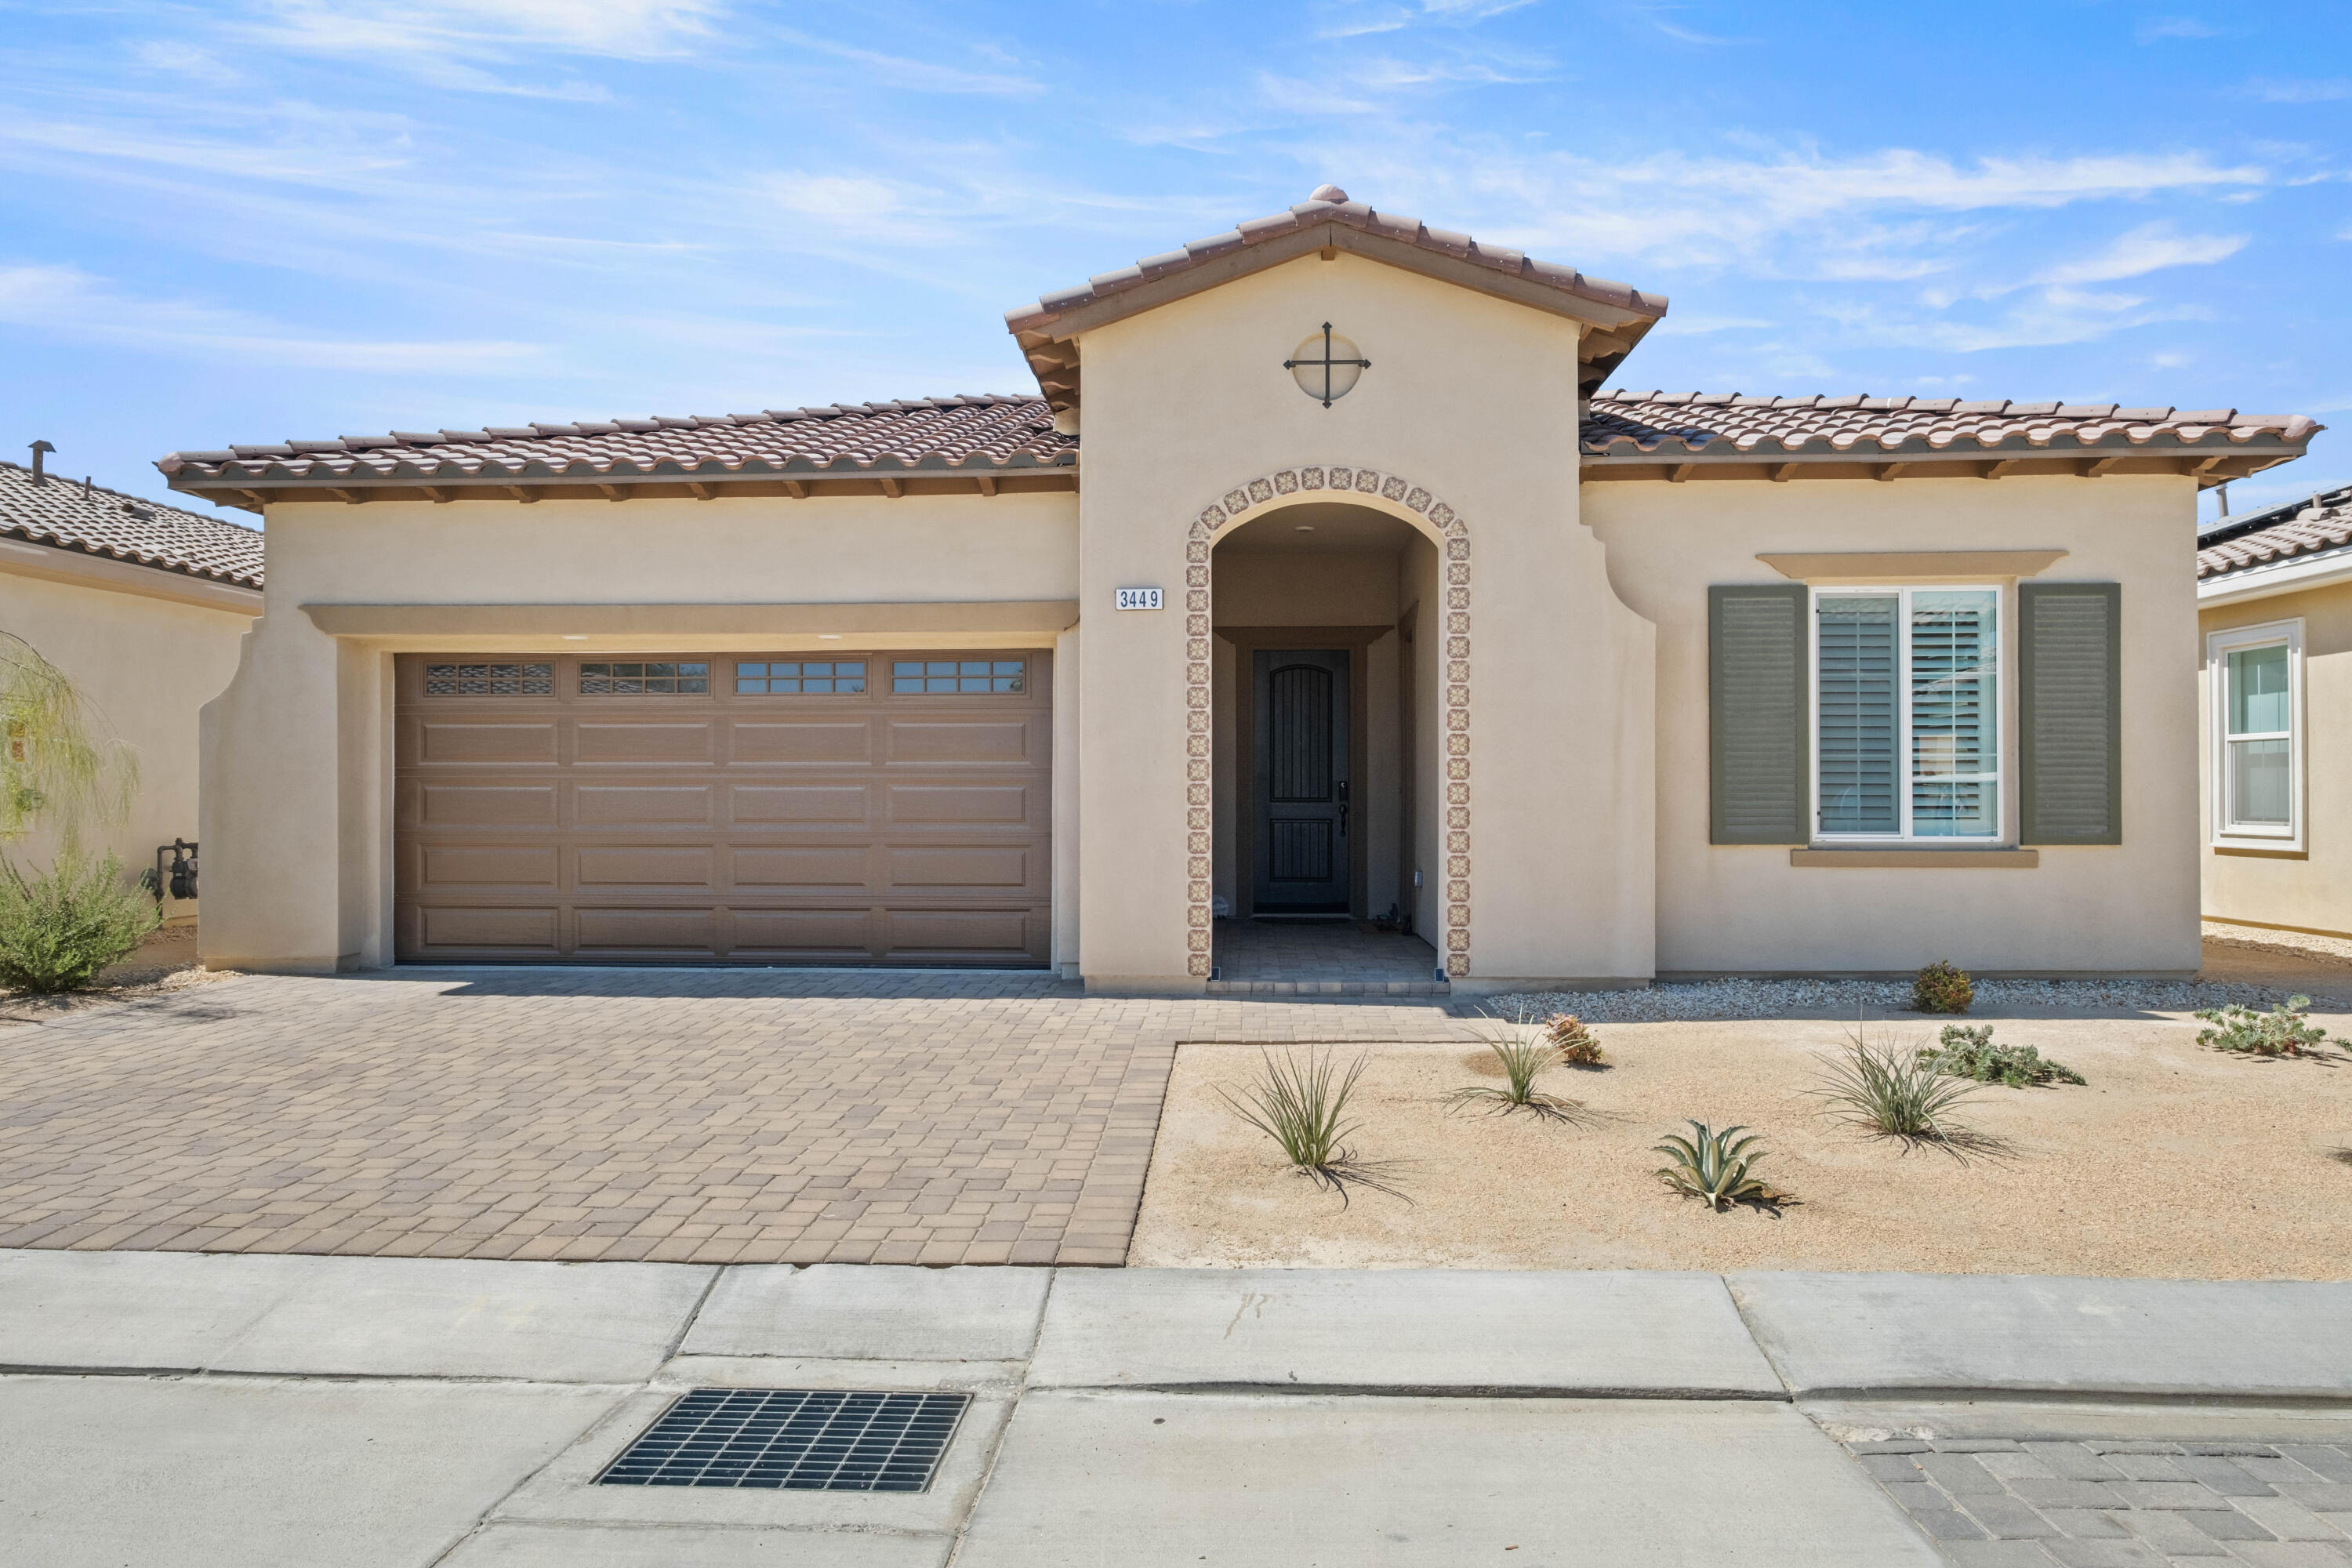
1223 511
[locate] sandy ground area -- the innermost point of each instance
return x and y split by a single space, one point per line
166 962
2175 1161
2319 966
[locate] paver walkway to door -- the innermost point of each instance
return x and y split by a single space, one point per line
686 1116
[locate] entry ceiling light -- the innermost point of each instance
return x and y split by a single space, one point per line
575 636
1303 527
1326 366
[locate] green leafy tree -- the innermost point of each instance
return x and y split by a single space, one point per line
61 765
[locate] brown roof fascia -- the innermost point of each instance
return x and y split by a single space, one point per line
251 495
1619 328
2207 468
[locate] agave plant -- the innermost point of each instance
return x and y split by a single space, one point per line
1716 1166
1523 1052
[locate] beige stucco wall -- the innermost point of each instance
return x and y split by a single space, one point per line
2312 890
2132 907
147 664
298 752
1472 399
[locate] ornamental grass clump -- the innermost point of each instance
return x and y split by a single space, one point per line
1889 1091
1523 1052
1303 1107
1940 988
1970 1053
60 927
2284 1031
1717 1166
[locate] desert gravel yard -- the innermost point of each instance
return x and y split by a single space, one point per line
2174 1161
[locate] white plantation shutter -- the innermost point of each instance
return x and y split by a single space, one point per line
1858 714
1955 740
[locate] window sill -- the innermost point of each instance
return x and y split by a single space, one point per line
1919 860
2282 849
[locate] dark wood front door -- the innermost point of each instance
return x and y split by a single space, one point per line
1303 825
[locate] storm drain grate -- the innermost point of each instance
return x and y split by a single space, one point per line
796 1439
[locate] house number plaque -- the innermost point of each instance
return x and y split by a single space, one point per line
1138 598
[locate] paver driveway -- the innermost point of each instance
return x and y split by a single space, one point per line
693 1116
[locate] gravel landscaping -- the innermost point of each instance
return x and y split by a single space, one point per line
1707 1000
2174 1161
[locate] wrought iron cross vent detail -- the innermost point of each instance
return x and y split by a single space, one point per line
1326 362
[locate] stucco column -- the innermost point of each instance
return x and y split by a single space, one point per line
271 845
1139 749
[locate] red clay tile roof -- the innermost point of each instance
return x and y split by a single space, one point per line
1644 424
987 432
66 514
2317 523
1330 204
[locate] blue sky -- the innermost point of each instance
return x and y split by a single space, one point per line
246 221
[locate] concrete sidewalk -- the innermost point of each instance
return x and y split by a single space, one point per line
186 1409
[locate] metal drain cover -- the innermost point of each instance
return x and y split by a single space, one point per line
796 1439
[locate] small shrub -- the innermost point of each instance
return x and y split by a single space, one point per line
1522 1053
1940 988
1965 1052
1717 1166
1567 1033
1892 1091
60 927
1303 1107
2284 1031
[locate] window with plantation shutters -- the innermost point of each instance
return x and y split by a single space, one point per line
1758 694
2069 695
1907 722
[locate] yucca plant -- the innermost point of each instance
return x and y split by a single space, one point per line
1523 1052
1303 1106
1893 1092
1717 1166
1577 1045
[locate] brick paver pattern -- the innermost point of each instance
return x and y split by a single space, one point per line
690 1116
1997 1503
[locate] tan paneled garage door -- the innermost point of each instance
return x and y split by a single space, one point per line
741 808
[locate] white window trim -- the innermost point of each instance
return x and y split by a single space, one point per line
2004 750
2219 646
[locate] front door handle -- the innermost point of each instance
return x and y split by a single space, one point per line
1343 819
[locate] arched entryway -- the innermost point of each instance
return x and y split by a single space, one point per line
1327 708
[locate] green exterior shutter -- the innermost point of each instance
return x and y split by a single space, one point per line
2070 713
1759 699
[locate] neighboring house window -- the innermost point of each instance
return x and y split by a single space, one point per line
1907 736
490 680
2257 704
802 676
957 675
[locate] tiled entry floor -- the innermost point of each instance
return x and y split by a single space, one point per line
1316 957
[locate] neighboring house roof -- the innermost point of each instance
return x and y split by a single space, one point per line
2276 534
95 521
1328 221
1627 423
929 435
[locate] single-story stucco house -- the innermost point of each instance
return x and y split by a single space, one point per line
2274 603
144 607
1357 595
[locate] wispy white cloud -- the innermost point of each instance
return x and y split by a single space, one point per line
2146 249
65 301
2174 27
2048 317
616 30
2283 90
921 76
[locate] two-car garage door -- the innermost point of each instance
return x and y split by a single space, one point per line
738 808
